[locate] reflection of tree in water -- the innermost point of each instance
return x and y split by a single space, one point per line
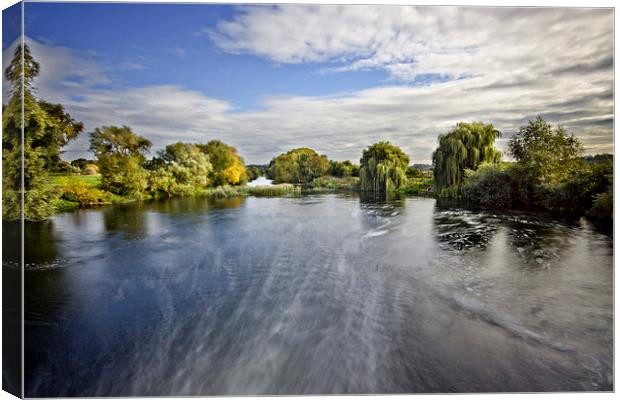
538 242
39 244
11 306
129 219
11 243
232 202
380 210
532 237
382 201
194 204
460 229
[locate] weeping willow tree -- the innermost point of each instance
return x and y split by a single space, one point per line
465 147
383 168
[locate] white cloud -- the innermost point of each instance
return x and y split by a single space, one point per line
518 63
411 41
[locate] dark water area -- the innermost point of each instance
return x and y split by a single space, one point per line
320 294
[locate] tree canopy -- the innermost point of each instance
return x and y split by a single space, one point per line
300 165
548 154
182 169
383 168
465 147
228 166
120 157
47 128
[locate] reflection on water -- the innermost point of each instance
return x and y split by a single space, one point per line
315 294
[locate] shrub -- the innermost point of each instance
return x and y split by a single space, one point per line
90 169
74 189
490 185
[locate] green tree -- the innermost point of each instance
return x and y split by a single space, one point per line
46 129
120 157
301 165
60 129
465 147
546 154
343 169
228 166
383 168
183 169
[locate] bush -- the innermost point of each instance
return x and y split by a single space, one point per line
335 183
90 169
490 185
74 189
274 190
603 206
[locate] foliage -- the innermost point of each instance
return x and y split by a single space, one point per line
273 190
465 147
46 129
182 169
81 162
383 168
60 129
227 191
75 189
301 165
120 156
413 172
36 192
254 171
588 189
336 183
547 155
342 169
419 185
27 65
90 169
228 168
489 185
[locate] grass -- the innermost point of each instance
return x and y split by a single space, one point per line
421 185
91 181
222 192
75 191
335 183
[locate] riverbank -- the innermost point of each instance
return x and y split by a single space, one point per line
83 191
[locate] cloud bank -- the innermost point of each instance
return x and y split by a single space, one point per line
497 65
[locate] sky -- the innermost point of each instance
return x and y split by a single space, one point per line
269 78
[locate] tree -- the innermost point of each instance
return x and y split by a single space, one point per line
120 157
548 155
183 169
383 168
228 166
343 169
60 129
301 165
465 147
46 129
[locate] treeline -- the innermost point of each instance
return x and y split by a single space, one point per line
303 166
125 172
549 171
179 169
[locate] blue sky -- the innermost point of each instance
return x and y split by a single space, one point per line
336 78
167 43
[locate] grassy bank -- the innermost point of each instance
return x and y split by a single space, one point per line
82 191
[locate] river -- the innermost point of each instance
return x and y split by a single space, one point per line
317 294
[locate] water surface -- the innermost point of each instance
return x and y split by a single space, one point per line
313 295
